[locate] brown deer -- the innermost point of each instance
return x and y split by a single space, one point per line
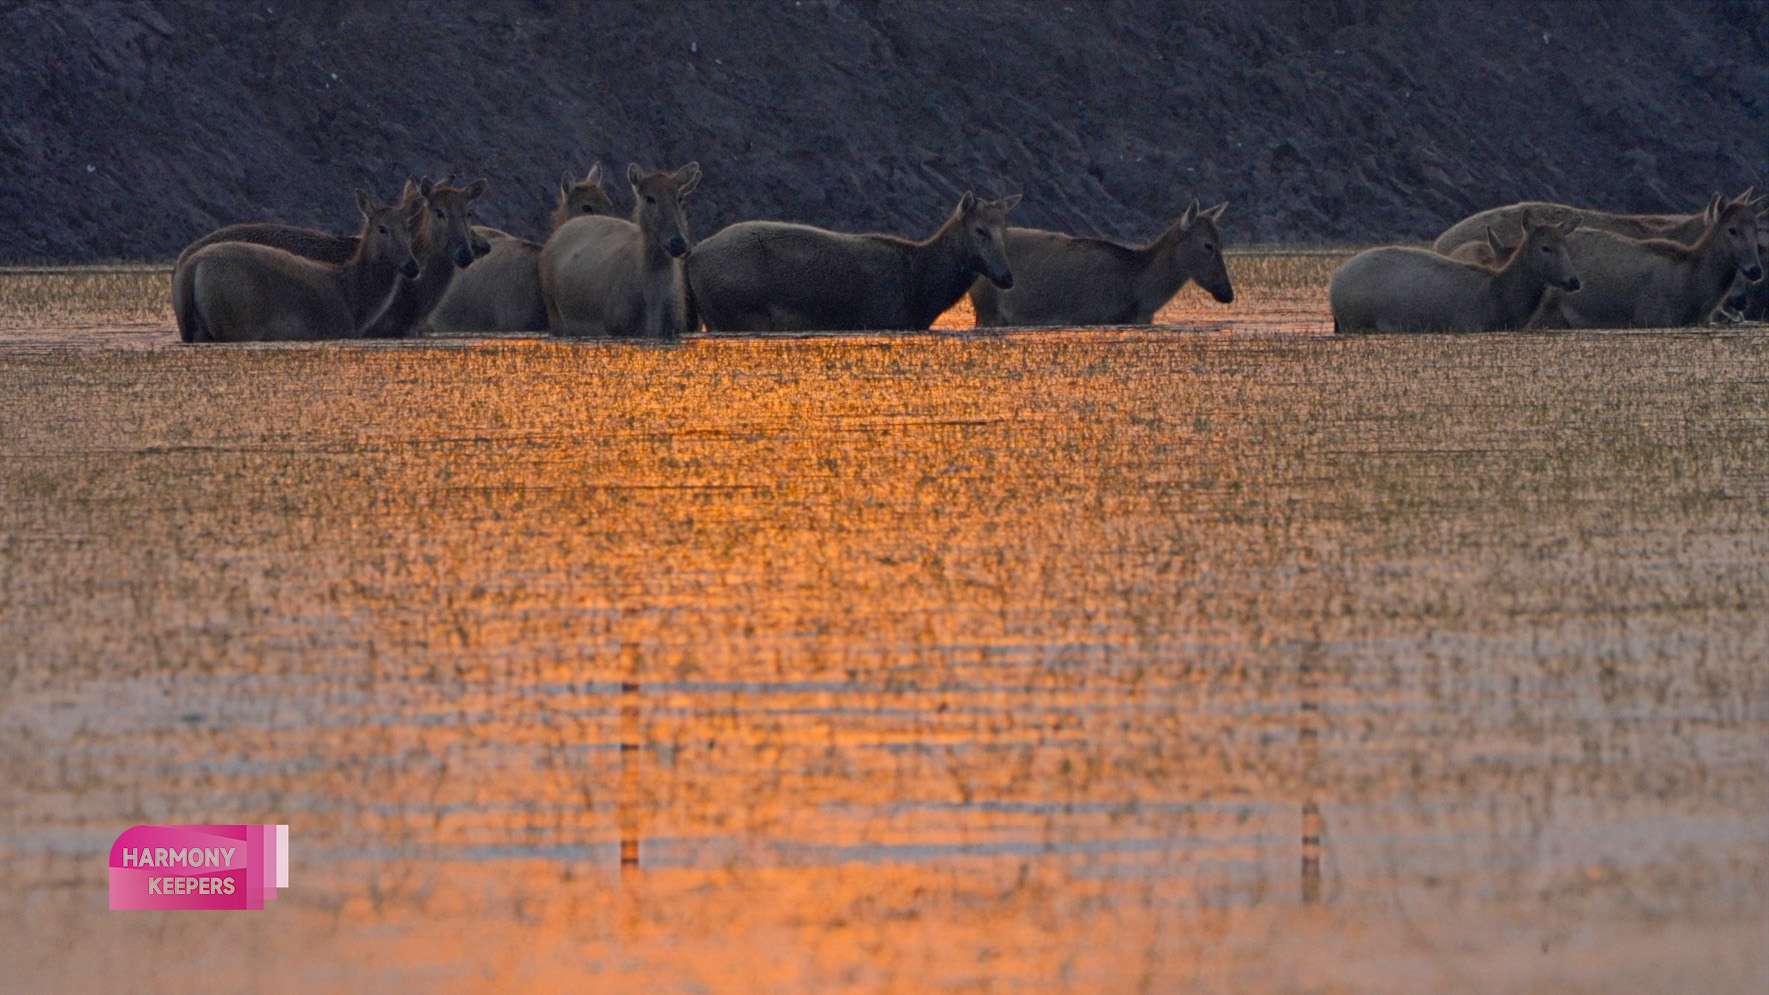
1400 289
1749 301
244 292
773 276
1658 282
311 243
581 198
1065 280
441 242
502 292
445 244
608 276
1489 252
1506 223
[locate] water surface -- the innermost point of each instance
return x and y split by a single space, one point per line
1219 657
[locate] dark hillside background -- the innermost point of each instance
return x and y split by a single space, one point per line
127 129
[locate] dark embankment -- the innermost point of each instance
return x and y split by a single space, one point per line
127 129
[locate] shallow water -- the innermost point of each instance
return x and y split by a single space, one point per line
1224 657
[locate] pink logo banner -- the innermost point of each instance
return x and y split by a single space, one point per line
198 867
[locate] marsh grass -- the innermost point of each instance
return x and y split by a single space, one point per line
51 294
140 292
1280 268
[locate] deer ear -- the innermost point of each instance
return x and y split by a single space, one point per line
365 202
566 182
475 189
1745 198
426 187
1190 215
1215 213
1570 225
1493 242
1009 202
634 174
1712 213
1524 221
967 203
594 177
687 178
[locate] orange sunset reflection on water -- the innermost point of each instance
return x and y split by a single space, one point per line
1223 660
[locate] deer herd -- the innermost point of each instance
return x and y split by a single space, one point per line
419 266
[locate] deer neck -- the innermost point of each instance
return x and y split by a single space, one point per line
1161 275
652 255
436 267
430 245
1517 290
661 285
1711 266
367 282
940 271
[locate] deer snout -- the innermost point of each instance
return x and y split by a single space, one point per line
464 256
480 247
1753 274
1572 283
678 246
409 267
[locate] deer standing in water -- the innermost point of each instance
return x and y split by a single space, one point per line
773 276
608 276
243 292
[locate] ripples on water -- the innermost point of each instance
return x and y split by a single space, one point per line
1225 658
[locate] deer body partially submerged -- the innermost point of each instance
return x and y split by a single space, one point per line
607 276
442 241
242 291
773 276
1399 289
445 245
1073 281
309 243
502 291
1659 282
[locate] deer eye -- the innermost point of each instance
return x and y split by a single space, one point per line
1209 250
589 208
384 230
982 233
1733 232
650 199
440 214
1547 250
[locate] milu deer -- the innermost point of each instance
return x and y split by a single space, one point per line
1400 289
243 292
1068 280
445 245
1658 282
773 276
1506 223
1749 300
502 292
442 241
609 276
321 246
